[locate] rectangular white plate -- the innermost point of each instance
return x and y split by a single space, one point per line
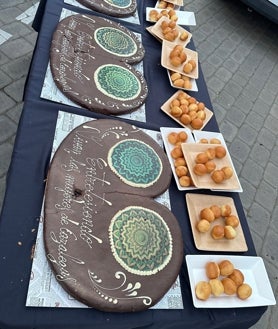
184 17
168 147
255 275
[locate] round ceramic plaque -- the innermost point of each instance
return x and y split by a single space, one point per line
118 8
109 243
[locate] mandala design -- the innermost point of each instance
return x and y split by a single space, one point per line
115 41
119 3
140 240
117 82
135 162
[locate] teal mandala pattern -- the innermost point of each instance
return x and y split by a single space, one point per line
135 162
140 240
117 82
115 41
119 3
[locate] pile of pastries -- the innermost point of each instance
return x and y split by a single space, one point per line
219 231
223 279
188 110
181 170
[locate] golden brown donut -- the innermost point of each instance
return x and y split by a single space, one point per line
197 123
210 165
207 213
217 232
228 172
244 291
229 232
226 210
200 169
230 287
203 226
232 221
201 158
217 176
216 210
217 287
185 181
212 270
203 290
210 153
226 267
220 151
237 276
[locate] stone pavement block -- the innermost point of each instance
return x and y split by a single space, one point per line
267 139
255 120
9 14
229 130
271 123
15 89
248 194
258 219
15 112
17 29
252 172
270 249
223 74
266 195
236 116
214 60
231 65
270 175
9 4
6 102
226 100
239 150
274 155
247 133
4 79
16 48
240 78
18 68
244 103
3 58
7 128
251 92
5 156
267 97
215 84
260 154
232 88
274 221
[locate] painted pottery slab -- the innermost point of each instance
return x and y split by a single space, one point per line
90 61
110 245
117 8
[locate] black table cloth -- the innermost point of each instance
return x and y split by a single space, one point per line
25 189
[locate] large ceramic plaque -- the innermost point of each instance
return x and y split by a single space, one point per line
110 245
90 62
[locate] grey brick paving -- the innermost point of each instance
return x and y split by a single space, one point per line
238 51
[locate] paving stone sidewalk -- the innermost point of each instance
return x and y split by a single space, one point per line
238 51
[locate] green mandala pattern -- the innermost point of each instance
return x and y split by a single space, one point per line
135 162
140 240
117 82
119 3
115 41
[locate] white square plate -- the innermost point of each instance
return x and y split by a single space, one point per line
184 17
255 275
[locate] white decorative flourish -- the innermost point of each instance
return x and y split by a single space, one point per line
129 290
